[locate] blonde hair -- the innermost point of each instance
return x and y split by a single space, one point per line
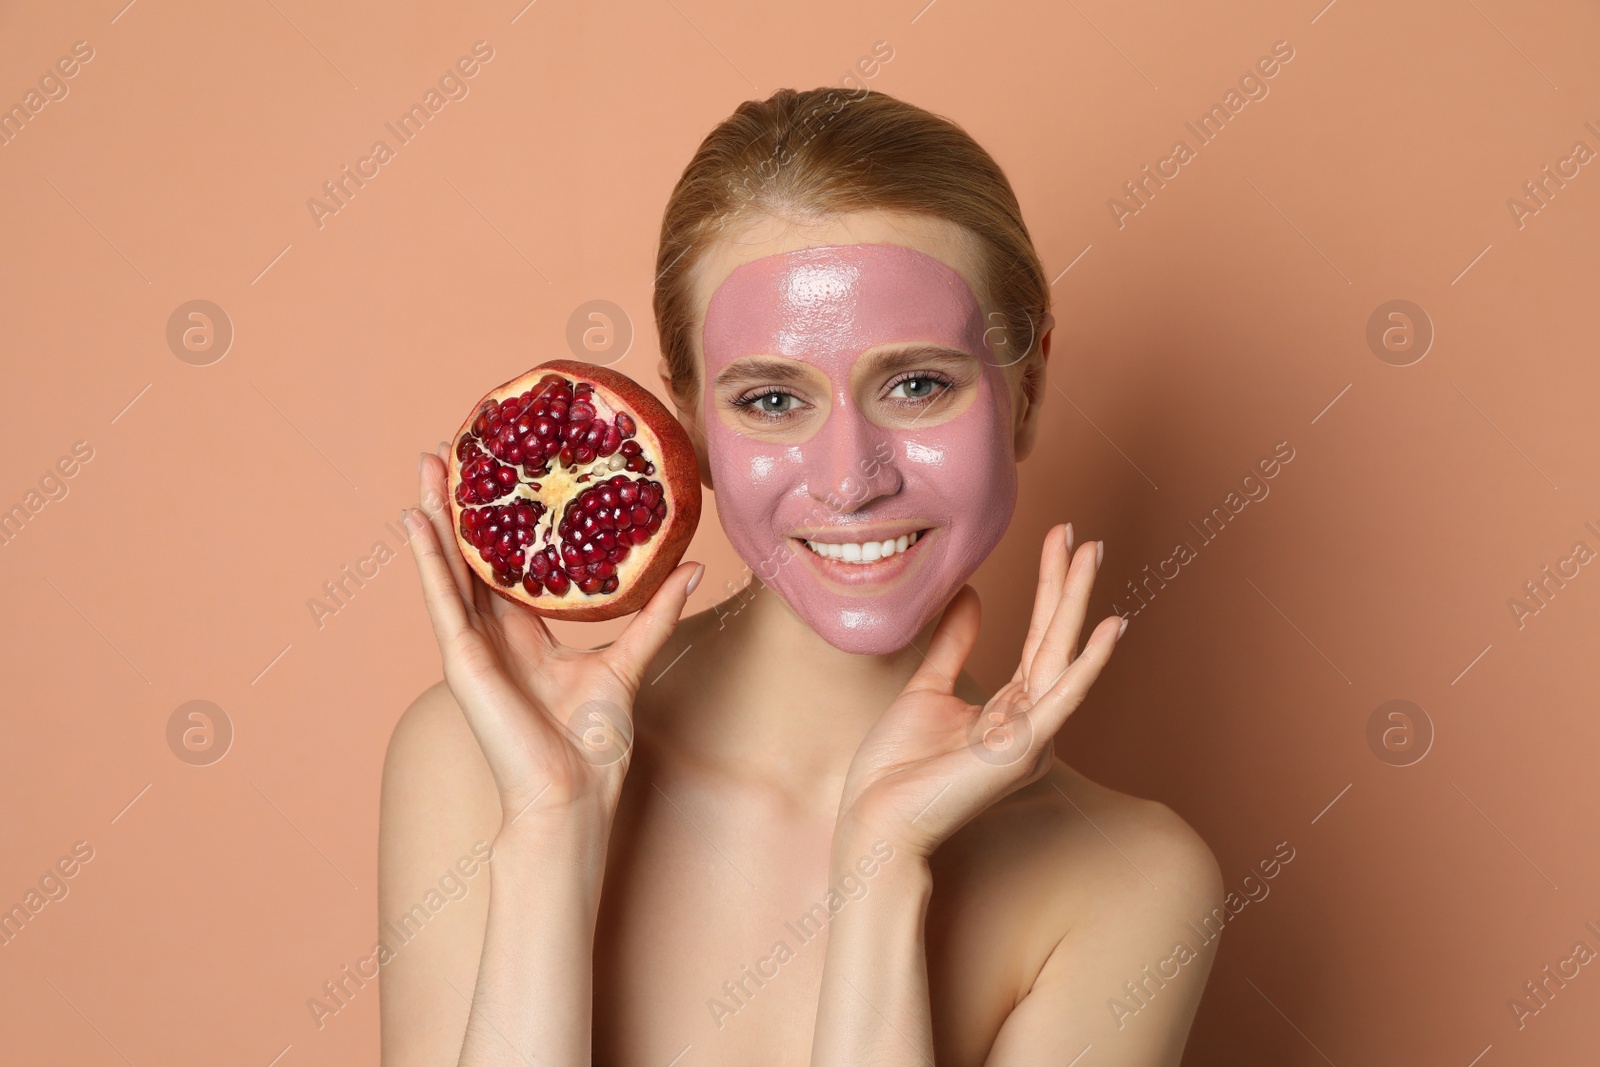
831 151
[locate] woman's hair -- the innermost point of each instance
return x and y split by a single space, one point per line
807 155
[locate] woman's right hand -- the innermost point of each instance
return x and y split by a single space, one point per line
554 722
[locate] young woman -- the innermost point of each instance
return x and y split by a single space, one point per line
808 837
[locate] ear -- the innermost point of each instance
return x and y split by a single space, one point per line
1032 391
689 417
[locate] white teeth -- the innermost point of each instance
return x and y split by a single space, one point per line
864 551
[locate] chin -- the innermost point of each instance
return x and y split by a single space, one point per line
866 627
868 637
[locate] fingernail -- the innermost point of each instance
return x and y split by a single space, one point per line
1122 629
1099 554
444 446
406 520
420 457
1069 540
699 572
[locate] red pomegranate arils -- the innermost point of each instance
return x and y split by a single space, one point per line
575 491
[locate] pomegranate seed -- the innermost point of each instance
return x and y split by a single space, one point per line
519 438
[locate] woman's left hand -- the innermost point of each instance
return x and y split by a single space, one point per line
934 761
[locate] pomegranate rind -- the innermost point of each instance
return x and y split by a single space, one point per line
677 469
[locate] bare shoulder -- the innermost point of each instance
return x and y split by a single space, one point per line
1083 863
1092 843
1122 838
1106 895
433 771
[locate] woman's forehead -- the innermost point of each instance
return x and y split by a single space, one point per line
829 303
750 239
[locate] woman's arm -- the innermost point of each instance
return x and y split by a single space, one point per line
535 991
873 1006
474 916
553 725
930 765
437 821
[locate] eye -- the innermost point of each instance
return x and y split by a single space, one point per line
772 403
918 385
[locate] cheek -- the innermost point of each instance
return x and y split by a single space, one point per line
750 479
970 462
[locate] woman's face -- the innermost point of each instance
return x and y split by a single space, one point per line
858 426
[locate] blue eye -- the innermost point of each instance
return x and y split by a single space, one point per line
772 403
914 389
775 403
921 386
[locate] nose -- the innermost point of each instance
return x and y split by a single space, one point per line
851 462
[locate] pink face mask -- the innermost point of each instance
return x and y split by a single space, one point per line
866 523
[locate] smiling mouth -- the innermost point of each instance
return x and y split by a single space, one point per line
863 552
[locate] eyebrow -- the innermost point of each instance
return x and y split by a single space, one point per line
796 372
917 355
765 368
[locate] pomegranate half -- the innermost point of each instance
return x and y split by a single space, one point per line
574 491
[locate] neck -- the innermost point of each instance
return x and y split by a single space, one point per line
764 696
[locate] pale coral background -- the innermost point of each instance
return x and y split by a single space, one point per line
1222 319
